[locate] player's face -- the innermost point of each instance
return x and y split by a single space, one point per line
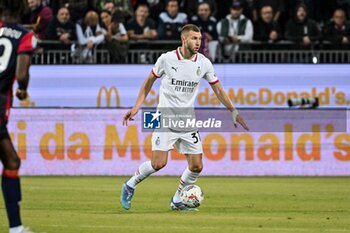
192 41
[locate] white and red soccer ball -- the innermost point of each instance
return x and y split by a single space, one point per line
192 196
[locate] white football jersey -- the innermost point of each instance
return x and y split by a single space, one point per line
180 78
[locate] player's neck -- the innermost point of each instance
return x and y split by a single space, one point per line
186 54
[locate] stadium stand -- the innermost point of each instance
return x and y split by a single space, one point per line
327 18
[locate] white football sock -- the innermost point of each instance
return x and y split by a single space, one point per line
142 173
18 229
187 178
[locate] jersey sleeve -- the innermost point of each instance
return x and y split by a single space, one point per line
27 44
210 75
158 69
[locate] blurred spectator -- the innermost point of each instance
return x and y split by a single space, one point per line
190 7
39 17
77 8
301 29
266 29
234 29
155 7
337 30
116 37
140 27
109 5
277 7
171 21
345 5
207 24
123 7
89 34
224 6
61 28
313 7
324 11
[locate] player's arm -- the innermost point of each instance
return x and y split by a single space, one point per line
225 100
144 90
22 75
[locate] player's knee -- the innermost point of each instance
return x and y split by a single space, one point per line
196 168
158 165
12 163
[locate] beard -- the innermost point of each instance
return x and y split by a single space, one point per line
191 49
301 18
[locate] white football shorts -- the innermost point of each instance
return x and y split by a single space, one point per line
185 142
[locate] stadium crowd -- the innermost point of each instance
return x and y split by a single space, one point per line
231 25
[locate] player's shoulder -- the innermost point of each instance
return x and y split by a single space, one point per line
203 59
170 55
17 27
14 31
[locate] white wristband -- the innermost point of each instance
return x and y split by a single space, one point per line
234 115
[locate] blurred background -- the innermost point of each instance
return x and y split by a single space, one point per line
93 56
239 31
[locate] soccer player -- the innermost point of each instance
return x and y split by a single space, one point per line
183 65
16 46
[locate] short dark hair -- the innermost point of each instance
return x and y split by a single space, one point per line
189 27
142 5
168 1
108 1
106 11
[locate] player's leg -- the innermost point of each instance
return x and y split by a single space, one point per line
191 146
161 144
11 188
158 161
190 174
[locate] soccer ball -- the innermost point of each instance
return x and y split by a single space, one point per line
192 196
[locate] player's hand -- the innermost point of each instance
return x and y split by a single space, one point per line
237 118
241 121
21 94
129 116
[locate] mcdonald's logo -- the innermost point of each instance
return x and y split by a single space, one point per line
106 93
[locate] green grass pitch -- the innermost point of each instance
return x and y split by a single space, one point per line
231 204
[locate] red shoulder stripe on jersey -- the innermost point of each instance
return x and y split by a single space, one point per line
212 83
26 43
13 174
154 73
177 53
1 23
195 59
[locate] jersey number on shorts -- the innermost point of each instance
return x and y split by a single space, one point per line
5 53
196 137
